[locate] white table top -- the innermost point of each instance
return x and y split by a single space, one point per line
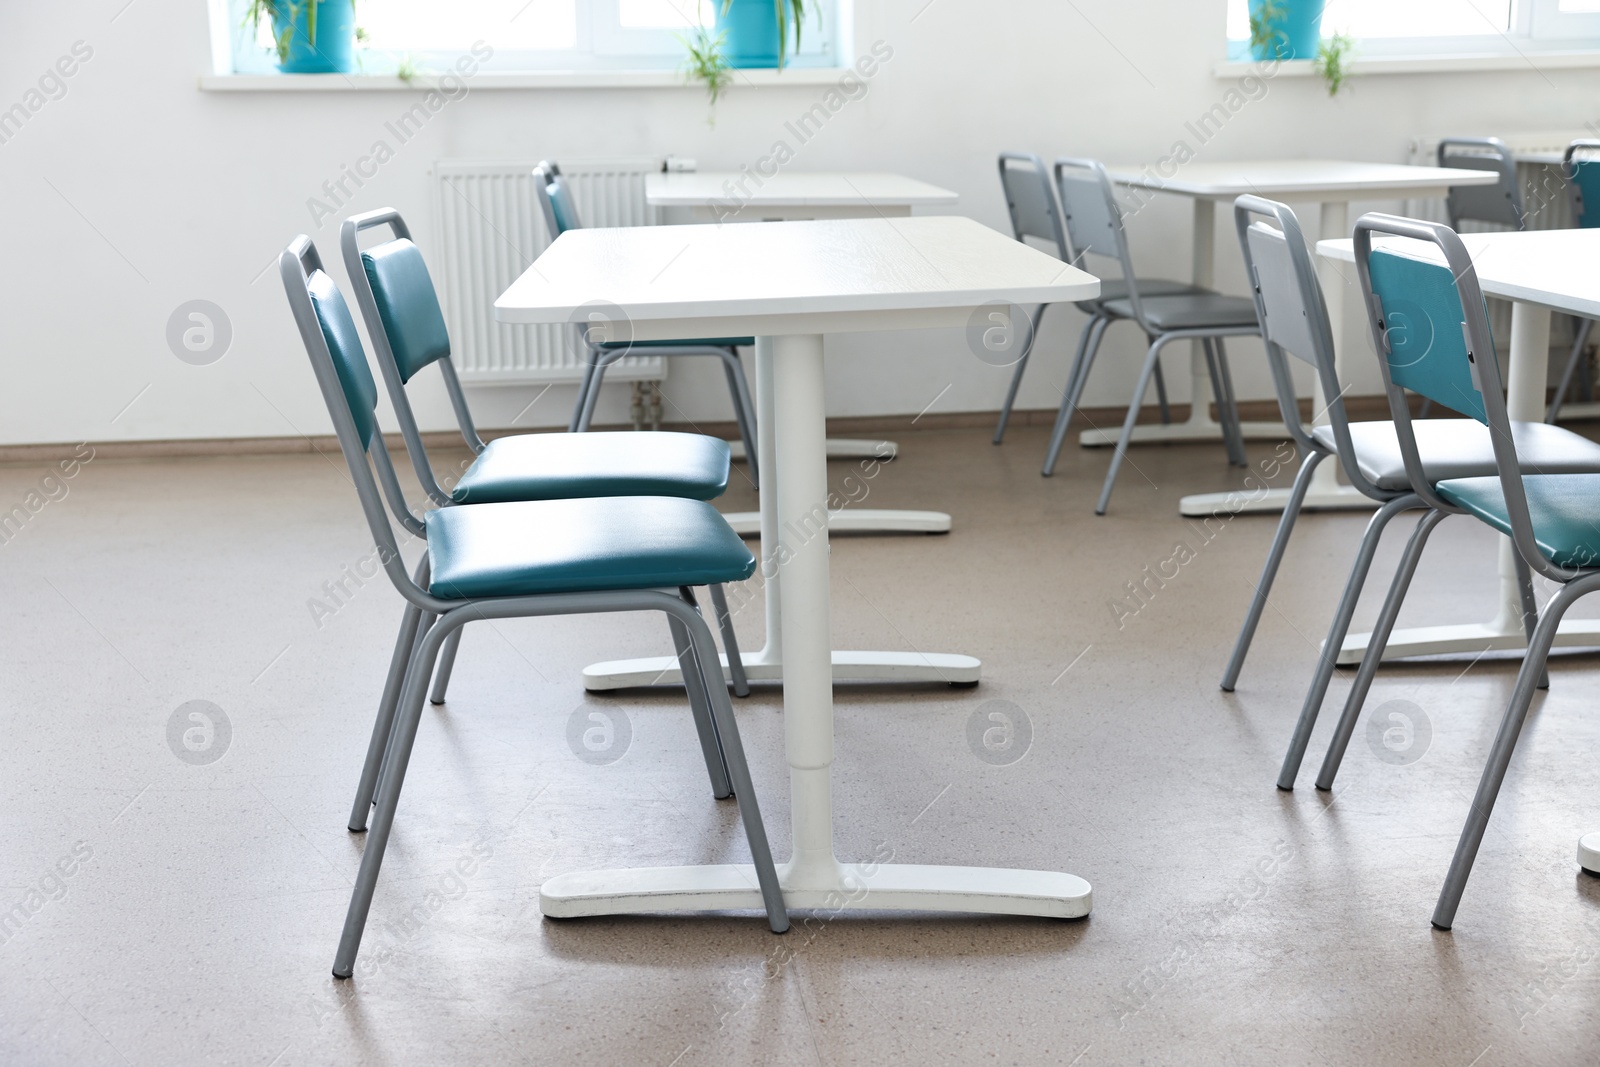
788 277
1316 179
1550 268
793 189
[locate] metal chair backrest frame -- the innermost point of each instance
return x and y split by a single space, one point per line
1031 202
555 200
1501 202
1093 222
416 293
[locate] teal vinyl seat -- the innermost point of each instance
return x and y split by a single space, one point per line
564 546
1563 509
406 323
526 559
553 466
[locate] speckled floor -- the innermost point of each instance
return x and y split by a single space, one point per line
179 903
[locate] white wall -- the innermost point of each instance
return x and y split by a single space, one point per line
135 192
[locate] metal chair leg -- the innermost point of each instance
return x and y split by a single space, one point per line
1128 423
705 650
744 411
1328 659
597 377
1161 397
694 683
447 663
1231 399
398 755
1269 571
404 645
730 642
1578 345
584 385
1505 743
1530 607
1230 438
1375 647
1088 348
1016 375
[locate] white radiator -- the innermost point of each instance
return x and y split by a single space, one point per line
490 229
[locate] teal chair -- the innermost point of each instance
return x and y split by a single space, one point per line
514 560
560 215
1581 167
1431 330
404 320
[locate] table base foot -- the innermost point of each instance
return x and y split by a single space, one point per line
1589 852
1468 638
901 667
1177 432
892 887
1339 498
856 520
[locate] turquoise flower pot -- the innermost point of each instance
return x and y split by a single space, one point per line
335 49
751 33
1294 34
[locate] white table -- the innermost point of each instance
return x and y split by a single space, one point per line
1540 271
731 196
1333 185
866 274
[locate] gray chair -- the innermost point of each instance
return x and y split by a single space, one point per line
560 215
513 560
1581 167
1294 320
401 309
1094 225
1031 203
1500 203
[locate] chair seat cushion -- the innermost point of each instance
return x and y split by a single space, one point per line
1564 509
568 546
1189 311
705 342
556 466
1117 289
1461 448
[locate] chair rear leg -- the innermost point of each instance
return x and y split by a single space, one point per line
1088 348
1016 375
1375 647
447 663
1225 371
1269 572
1230 440
730 642
597 377
584 384
1505 743
755 832
694 684
1530 608
1161 397
1328 659
1573 361
1128 422
744 411
404 646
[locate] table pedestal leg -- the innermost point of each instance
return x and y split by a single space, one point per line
766 664
813 877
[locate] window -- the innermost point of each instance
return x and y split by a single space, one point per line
530 34
1423 27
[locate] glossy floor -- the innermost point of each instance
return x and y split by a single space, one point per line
182 880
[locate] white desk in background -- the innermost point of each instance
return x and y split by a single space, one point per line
1539 271
818 277
1330 183
732 196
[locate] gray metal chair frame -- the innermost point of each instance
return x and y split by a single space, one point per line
1574 582
1581 340
1031 203
429 622
1095 226
1498 203
548 183
349 241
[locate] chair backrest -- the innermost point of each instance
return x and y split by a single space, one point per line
1294 319
555 200
1031 202
1093 220
397 299
1501 202
340 363
1583 179
1430 327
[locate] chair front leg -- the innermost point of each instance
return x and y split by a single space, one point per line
447 663
1022 366
730 642
744 410
694 684
584 385
1161 397
1269 572
1578 345
1376 643
1128 423
1088 348
597 377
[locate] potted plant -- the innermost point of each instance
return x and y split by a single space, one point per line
1285 29
755 33
311 36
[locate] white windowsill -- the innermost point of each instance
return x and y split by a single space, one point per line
506 79
1438 64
